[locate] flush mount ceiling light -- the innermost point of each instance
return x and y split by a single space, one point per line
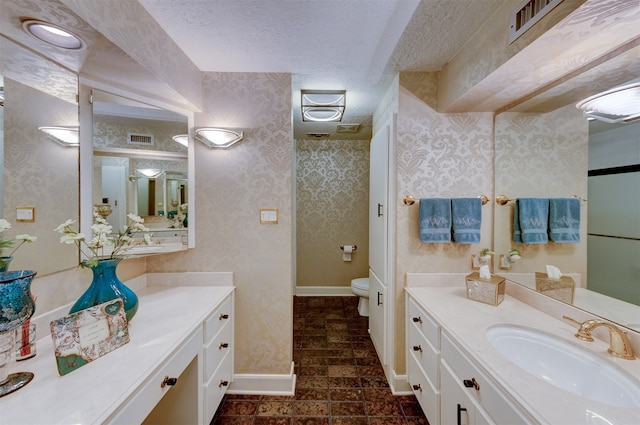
618 105
53 34
183 139
218 137
323 105
66 136
150 172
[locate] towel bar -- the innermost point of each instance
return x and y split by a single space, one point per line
504 199
410 200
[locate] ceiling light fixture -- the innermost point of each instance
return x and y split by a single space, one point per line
150 172
183 139
65 136
218 137
53 34
618 105
323 105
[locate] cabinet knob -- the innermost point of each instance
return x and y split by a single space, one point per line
417 387
223 345
223 316
417 348
223 383
471 383
168 381
417 319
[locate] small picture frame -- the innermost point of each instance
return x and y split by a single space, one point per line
86 335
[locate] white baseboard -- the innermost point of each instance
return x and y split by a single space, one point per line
324 291
264 384
399 385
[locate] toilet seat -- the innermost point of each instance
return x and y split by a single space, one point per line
361 283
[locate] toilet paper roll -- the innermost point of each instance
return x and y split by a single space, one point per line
346 255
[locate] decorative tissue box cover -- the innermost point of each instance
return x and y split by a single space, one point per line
489 291
561 289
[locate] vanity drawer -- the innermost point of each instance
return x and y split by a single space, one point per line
426 393
215 388
422 321
150 392
425 354
217 319
501 408
216 349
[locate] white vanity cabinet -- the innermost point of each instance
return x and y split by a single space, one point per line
450 387
423 338
176 367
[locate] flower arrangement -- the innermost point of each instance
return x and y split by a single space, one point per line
9 243
486 252
104 244
184 208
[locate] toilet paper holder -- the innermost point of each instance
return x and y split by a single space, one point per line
354 247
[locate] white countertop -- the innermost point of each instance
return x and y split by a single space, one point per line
166 317
467 321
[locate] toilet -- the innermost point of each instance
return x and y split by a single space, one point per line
360 288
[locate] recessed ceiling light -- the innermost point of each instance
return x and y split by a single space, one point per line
53 34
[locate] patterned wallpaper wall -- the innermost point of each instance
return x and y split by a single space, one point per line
231 187
437 155
332 209
544 156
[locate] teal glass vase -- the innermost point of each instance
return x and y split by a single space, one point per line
4 263
185 222
106 286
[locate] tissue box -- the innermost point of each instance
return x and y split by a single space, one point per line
489 291
561 289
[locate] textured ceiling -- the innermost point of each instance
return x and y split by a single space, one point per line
355 45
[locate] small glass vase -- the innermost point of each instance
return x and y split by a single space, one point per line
185 222
106 286
4 263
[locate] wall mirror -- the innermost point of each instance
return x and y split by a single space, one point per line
38 172
139 168
545 147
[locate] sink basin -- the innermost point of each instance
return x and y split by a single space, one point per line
565 365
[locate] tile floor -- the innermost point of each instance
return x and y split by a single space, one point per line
339 378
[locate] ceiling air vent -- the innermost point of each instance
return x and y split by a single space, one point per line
347 128
317 135
140 139
527 14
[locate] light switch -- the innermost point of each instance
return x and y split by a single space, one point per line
268 216
26 214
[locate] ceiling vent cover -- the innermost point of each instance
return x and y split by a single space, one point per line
140 139
527 14
317 135
347 128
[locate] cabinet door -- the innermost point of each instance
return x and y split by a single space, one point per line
378 178
378 315
456 406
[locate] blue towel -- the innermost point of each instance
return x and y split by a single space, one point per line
466 216
564 220
517 232
435 220
533 215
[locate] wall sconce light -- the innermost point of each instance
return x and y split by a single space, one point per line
618 105
65 136
323 105
218 137
183 139
150 172
53 34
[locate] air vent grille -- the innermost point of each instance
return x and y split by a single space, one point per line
527 14
347 128
140 139
317 135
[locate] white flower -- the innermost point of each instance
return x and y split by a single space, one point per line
64 226
26 238
147 239
4 225
71 239
135 218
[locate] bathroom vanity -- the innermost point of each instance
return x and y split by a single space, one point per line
181 332
460 378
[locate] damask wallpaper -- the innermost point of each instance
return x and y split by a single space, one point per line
332 209
542 156
231 187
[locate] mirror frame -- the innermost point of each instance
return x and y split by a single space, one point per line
86 152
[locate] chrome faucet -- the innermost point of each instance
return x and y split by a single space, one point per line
619 344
